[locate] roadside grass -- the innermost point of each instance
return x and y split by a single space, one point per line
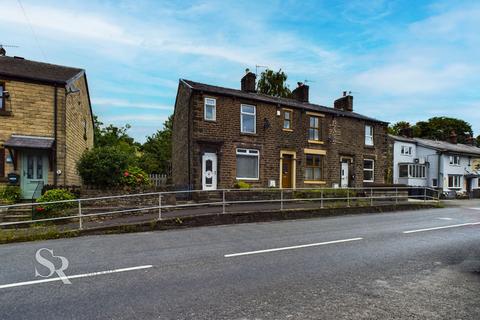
34 233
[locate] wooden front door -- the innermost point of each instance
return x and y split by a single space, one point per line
287 164
34 174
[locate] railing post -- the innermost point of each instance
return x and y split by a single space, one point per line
80 219
321 199
396 195
159 206
371 197
348 197
223 201
425 194
281 200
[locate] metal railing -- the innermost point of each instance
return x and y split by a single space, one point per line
194 202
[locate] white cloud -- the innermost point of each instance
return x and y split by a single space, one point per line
120 103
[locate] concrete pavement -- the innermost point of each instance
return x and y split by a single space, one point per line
312 273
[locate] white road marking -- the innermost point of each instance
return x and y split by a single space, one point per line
290 248
445 219
443 227
26 283
474 208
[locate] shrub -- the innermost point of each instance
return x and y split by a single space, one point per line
104 166
135 177
242 185
55 195
10 194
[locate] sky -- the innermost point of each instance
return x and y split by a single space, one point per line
402 60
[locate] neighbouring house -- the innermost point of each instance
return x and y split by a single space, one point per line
222 136
447 166
46 124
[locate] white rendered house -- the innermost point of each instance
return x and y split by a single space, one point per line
449 167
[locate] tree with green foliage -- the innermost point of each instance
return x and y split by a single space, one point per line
157 150
396 127
440 128
274 84
107 136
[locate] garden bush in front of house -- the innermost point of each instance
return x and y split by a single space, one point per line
105 166
55 208
10 195
135 177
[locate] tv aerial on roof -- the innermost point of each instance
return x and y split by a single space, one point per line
3 46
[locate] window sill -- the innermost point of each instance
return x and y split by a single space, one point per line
210 120
369 181
314 182
315 141
248 179
5 113
287 130
370 146
251 134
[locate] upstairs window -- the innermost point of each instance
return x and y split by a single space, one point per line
210 109
247 118
368 135
314 128
2 97
247 164
368 169
455 160
406 151
287 119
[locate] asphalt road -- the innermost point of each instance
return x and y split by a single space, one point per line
346 267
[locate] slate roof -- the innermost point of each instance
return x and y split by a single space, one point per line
19 68
29 142
275 100
441 145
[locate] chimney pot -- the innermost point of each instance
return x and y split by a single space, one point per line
248 82
344 93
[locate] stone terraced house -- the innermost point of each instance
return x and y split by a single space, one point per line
222 136
46 123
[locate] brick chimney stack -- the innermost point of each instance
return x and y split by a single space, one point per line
248 81
301 92
453 137
344 103
406 132
470 140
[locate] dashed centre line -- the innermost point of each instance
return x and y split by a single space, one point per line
290 248
443 227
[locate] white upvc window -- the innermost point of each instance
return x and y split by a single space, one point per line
412 171
248 119
406 150
210 109
368 135
455 160
368 170
248 164
454 181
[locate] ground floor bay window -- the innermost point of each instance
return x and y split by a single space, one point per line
412 170
454 181
248 161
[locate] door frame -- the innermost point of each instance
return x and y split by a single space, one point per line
347 165
294 167
45 168
212 156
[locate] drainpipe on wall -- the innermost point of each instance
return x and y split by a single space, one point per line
55 126
438 171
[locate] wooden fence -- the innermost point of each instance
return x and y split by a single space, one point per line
158 180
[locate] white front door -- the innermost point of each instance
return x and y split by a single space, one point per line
344 182
209 171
